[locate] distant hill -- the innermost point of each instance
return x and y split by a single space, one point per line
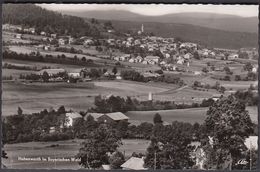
53 22
206 36
29 15
210 20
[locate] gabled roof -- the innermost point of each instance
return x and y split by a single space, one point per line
134 164
51 71
252 141
117 116
73 115
152 57
94 115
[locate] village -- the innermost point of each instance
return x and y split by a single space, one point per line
130 93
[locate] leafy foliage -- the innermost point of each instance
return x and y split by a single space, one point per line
170 147
228 124
30 15
116 160
95 149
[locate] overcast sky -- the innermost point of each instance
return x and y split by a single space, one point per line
161 9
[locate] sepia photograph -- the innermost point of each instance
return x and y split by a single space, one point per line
129 86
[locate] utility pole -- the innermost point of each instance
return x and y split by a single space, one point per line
155 161
250 159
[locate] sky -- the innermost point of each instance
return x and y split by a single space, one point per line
159 9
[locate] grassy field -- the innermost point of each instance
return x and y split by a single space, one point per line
28 50
15 73
34 97
131 88
66 149
191 115
235 85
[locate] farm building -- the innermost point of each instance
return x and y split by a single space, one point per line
150 75
18 36
76 73
53 35
233 56
113 117
61 41
118 76
51 72
94 115
215 97
71 116
43 33
134 163
154 59
251 142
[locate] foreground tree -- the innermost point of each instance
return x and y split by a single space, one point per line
45 76
157 119
116 160
19 111
94 151
248 67
228 124
170 147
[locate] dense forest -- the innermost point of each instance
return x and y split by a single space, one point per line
202 35
29 15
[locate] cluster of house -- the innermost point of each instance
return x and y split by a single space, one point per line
18 28
73 73
99 117
172 52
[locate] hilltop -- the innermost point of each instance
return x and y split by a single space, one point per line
29 15
64 24
192 33
224 22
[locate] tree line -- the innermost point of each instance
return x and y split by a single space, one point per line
59 59
29 15
221 137
120 104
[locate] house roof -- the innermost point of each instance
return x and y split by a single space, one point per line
94 115
73 115
51 71
75 70
148 74
253 141
117 116
134 164
152 57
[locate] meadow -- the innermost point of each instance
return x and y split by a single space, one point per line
190 115
34 97
63 149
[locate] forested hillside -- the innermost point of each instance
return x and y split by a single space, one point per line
29 15
202 35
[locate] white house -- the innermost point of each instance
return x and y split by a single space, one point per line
71 117
51 72
233 56
180 60
43 33
61 41
139 59
254 69
154 59
132 60
134 163
18 36
118 76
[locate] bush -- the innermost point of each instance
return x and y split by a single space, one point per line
226 78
